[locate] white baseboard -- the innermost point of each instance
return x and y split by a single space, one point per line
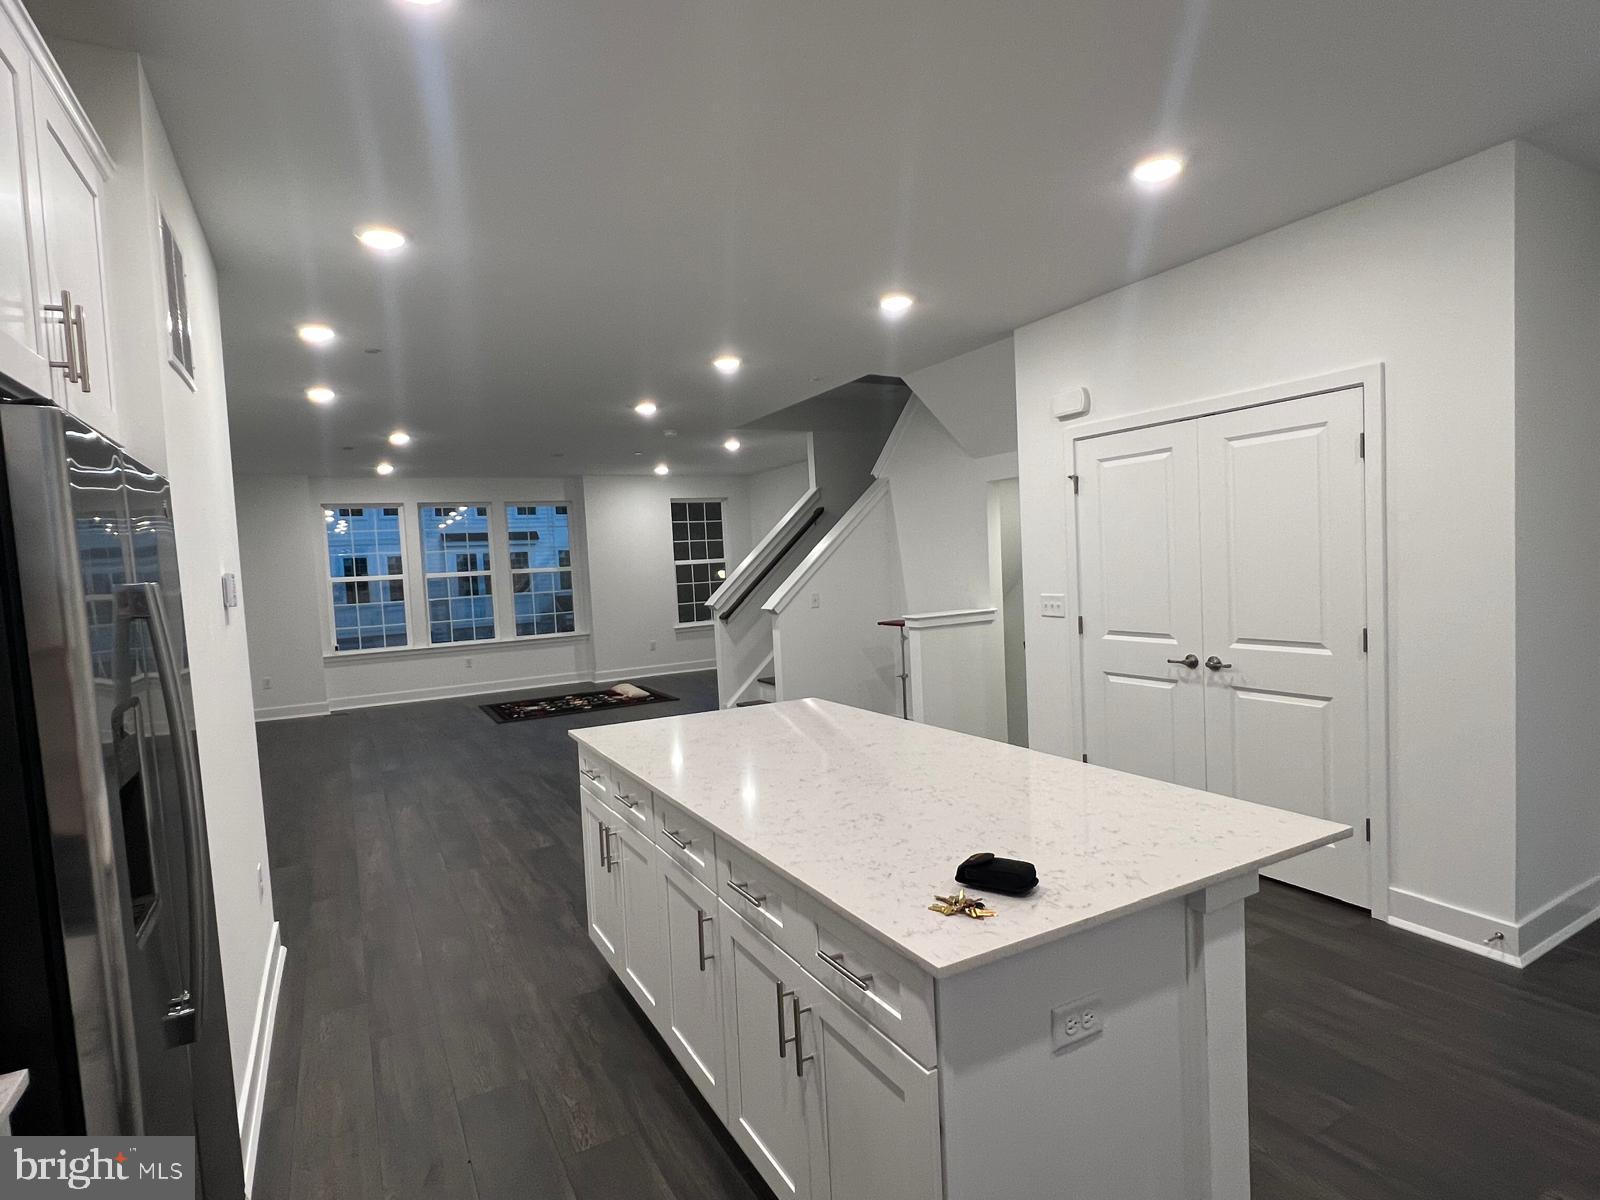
1545 928
1523 942
253 1092
681 668
463 691
291 712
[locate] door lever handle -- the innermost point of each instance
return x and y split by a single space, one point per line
1188 660
1216 664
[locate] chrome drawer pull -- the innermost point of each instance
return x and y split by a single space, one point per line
605 846
700 931
836 961
783 1038
611 857
626 799
676 840
743 890
801 1058
591 776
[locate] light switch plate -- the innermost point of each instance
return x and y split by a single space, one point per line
1052 604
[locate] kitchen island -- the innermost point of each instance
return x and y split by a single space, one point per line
759 879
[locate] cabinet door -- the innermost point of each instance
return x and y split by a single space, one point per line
694 983
878 1110
21 355
644 935
70 182
771 1107
601 882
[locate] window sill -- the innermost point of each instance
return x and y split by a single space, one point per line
695 625
491 645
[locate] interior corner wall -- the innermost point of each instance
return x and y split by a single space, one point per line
631 572
773 493
1418 277
1558 541
278 589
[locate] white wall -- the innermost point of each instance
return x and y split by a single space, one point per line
623 575
773 493
1558 537
630 545
973 396
1419 278
185 430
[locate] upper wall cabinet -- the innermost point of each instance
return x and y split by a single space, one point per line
54 333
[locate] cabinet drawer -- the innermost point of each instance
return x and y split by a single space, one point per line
686 842
893 994
765 899
632 800
595 774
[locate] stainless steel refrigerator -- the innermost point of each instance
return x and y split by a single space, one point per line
110 986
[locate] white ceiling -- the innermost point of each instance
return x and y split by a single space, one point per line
602 196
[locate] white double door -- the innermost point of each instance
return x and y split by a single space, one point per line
1222 584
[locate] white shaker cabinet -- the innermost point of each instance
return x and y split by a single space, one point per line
70 182
21 254
602 886
694 981
644 942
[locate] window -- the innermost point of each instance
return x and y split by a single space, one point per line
455 569
366 570
180 348
697 551
540 543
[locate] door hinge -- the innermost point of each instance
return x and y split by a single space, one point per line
1085 758
1369 829
1363 639
1074 479
1361 444
1080 624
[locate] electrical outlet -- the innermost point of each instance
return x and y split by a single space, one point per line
266 683
816 599
1075 1021
1053 604
261 885
652 647
466 663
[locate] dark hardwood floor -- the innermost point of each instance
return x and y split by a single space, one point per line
445 1028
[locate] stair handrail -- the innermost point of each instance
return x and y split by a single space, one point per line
763 548
816 515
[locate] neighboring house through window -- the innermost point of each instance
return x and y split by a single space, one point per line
456 572
539 541
697 551
366 570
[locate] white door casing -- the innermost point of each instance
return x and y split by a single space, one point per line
1284 598
1139 582
1244 534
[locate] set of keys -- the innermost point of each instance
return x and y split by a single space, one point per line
965 905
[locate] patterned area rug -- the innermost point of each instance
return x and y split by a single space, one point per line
621 695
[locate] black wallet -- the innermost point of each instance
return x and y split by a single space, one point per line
1008 876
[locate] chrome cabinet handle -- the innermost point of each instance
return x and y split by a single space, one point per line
605 844
743 890
700 932
626 799
1216 664
783 1039
186 1009
801 1058
83 350
1188 660
591 776
677 841
836 961
611 856
69 342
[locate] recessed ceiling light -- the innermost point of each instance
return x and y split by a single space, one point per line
1157 169
895 304
425 3
399 438
315 333
645 408
380 238
731 445
727 364
384 468
661 468
320 394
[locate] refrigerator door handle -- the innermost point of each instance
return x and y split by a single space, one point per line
142 602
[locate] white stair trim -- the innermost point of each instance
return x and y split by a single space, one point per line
877 492
765 549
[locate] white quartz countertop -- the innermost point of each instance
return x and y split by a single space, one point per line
872 815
